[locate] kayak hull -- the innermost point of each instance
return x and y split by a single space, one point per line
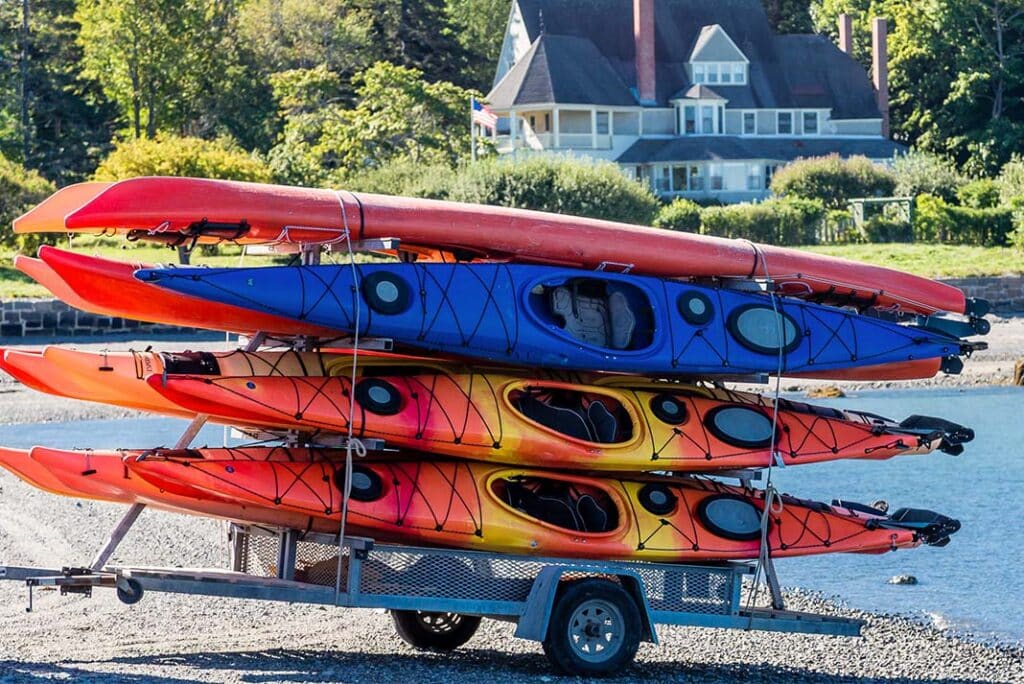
567 319
477 506
165 207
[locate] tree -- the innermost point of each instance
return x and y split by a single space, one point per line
789 16
398 116
298 34
960 97
480 29
166 63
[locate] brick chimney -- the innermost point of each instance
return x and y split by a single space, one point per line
880 68
643 35
846 33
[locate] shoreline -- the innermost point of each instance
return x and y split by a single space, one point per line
232 640
100 640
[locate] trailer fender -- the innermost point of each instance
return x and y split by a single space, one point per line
533 621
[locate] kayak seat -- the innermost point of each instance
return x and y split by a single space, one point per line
556 504
549 509
594 518
606 427
564 420
594 424
597 319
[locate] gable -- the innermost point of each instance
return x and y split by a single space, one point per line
715 45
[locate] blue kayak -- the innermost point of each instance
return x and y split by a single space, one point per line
558 317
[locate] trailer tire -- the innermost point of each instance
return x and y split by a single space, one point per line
595 628
129 592
434 631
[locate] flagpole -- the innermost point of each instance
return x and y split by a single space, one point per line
472 128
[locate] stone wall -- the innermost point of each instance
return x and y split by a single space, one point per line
1004 293
54 318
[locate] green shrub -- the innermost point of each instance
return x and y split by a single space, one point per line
20 190
680 214
832 180
560 185
921 173
979 194
170 155
882 228
404 178
776 222
937 221
1011 180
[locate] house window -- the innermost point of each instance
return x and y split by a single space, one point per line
699 73
754 178
810 123
602 123
663 181
547 122
712 73
715 177
769 173
785 123
695 178
690 119
739 73
707 119
679 178
533 122
626 123
721 119
726 74
749 123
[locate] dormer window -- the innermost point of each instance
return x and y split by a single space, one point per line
716 60
720 73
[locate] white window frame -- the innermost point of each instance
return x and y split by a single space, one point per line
752 113
778 121
817 121
713 73
755 171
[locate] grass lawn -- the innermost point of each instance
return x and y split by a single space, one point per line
950 261
934 261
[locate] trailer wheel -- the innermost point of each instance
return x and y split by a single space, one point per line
594 629
434 631
129 591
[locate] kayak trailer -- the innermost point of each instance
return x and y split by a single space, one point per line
590 616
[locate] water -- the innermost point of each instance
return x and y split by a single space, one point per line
970 585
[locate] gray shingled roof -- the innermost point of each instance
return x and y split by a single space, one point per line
785 71
700 92
550 72
726 148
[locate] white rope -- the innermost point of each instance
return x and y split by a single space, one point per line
352 443
772 500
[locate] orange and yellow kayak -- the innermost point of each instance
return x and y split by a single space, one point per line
618 424
103 476
496 508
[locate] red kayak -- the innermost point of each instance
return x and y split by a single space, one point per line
108 287
182 209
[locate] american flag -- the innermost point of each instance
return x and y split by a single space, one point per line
483 115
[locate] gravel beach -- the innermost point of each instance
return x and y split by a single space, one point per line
168 639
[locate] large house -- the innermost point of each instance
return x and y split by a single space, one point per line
700 98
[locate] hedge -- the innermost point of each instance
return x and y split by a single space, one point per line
559 185
680 214
937 221
778 222
171 155
20 190
833 181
